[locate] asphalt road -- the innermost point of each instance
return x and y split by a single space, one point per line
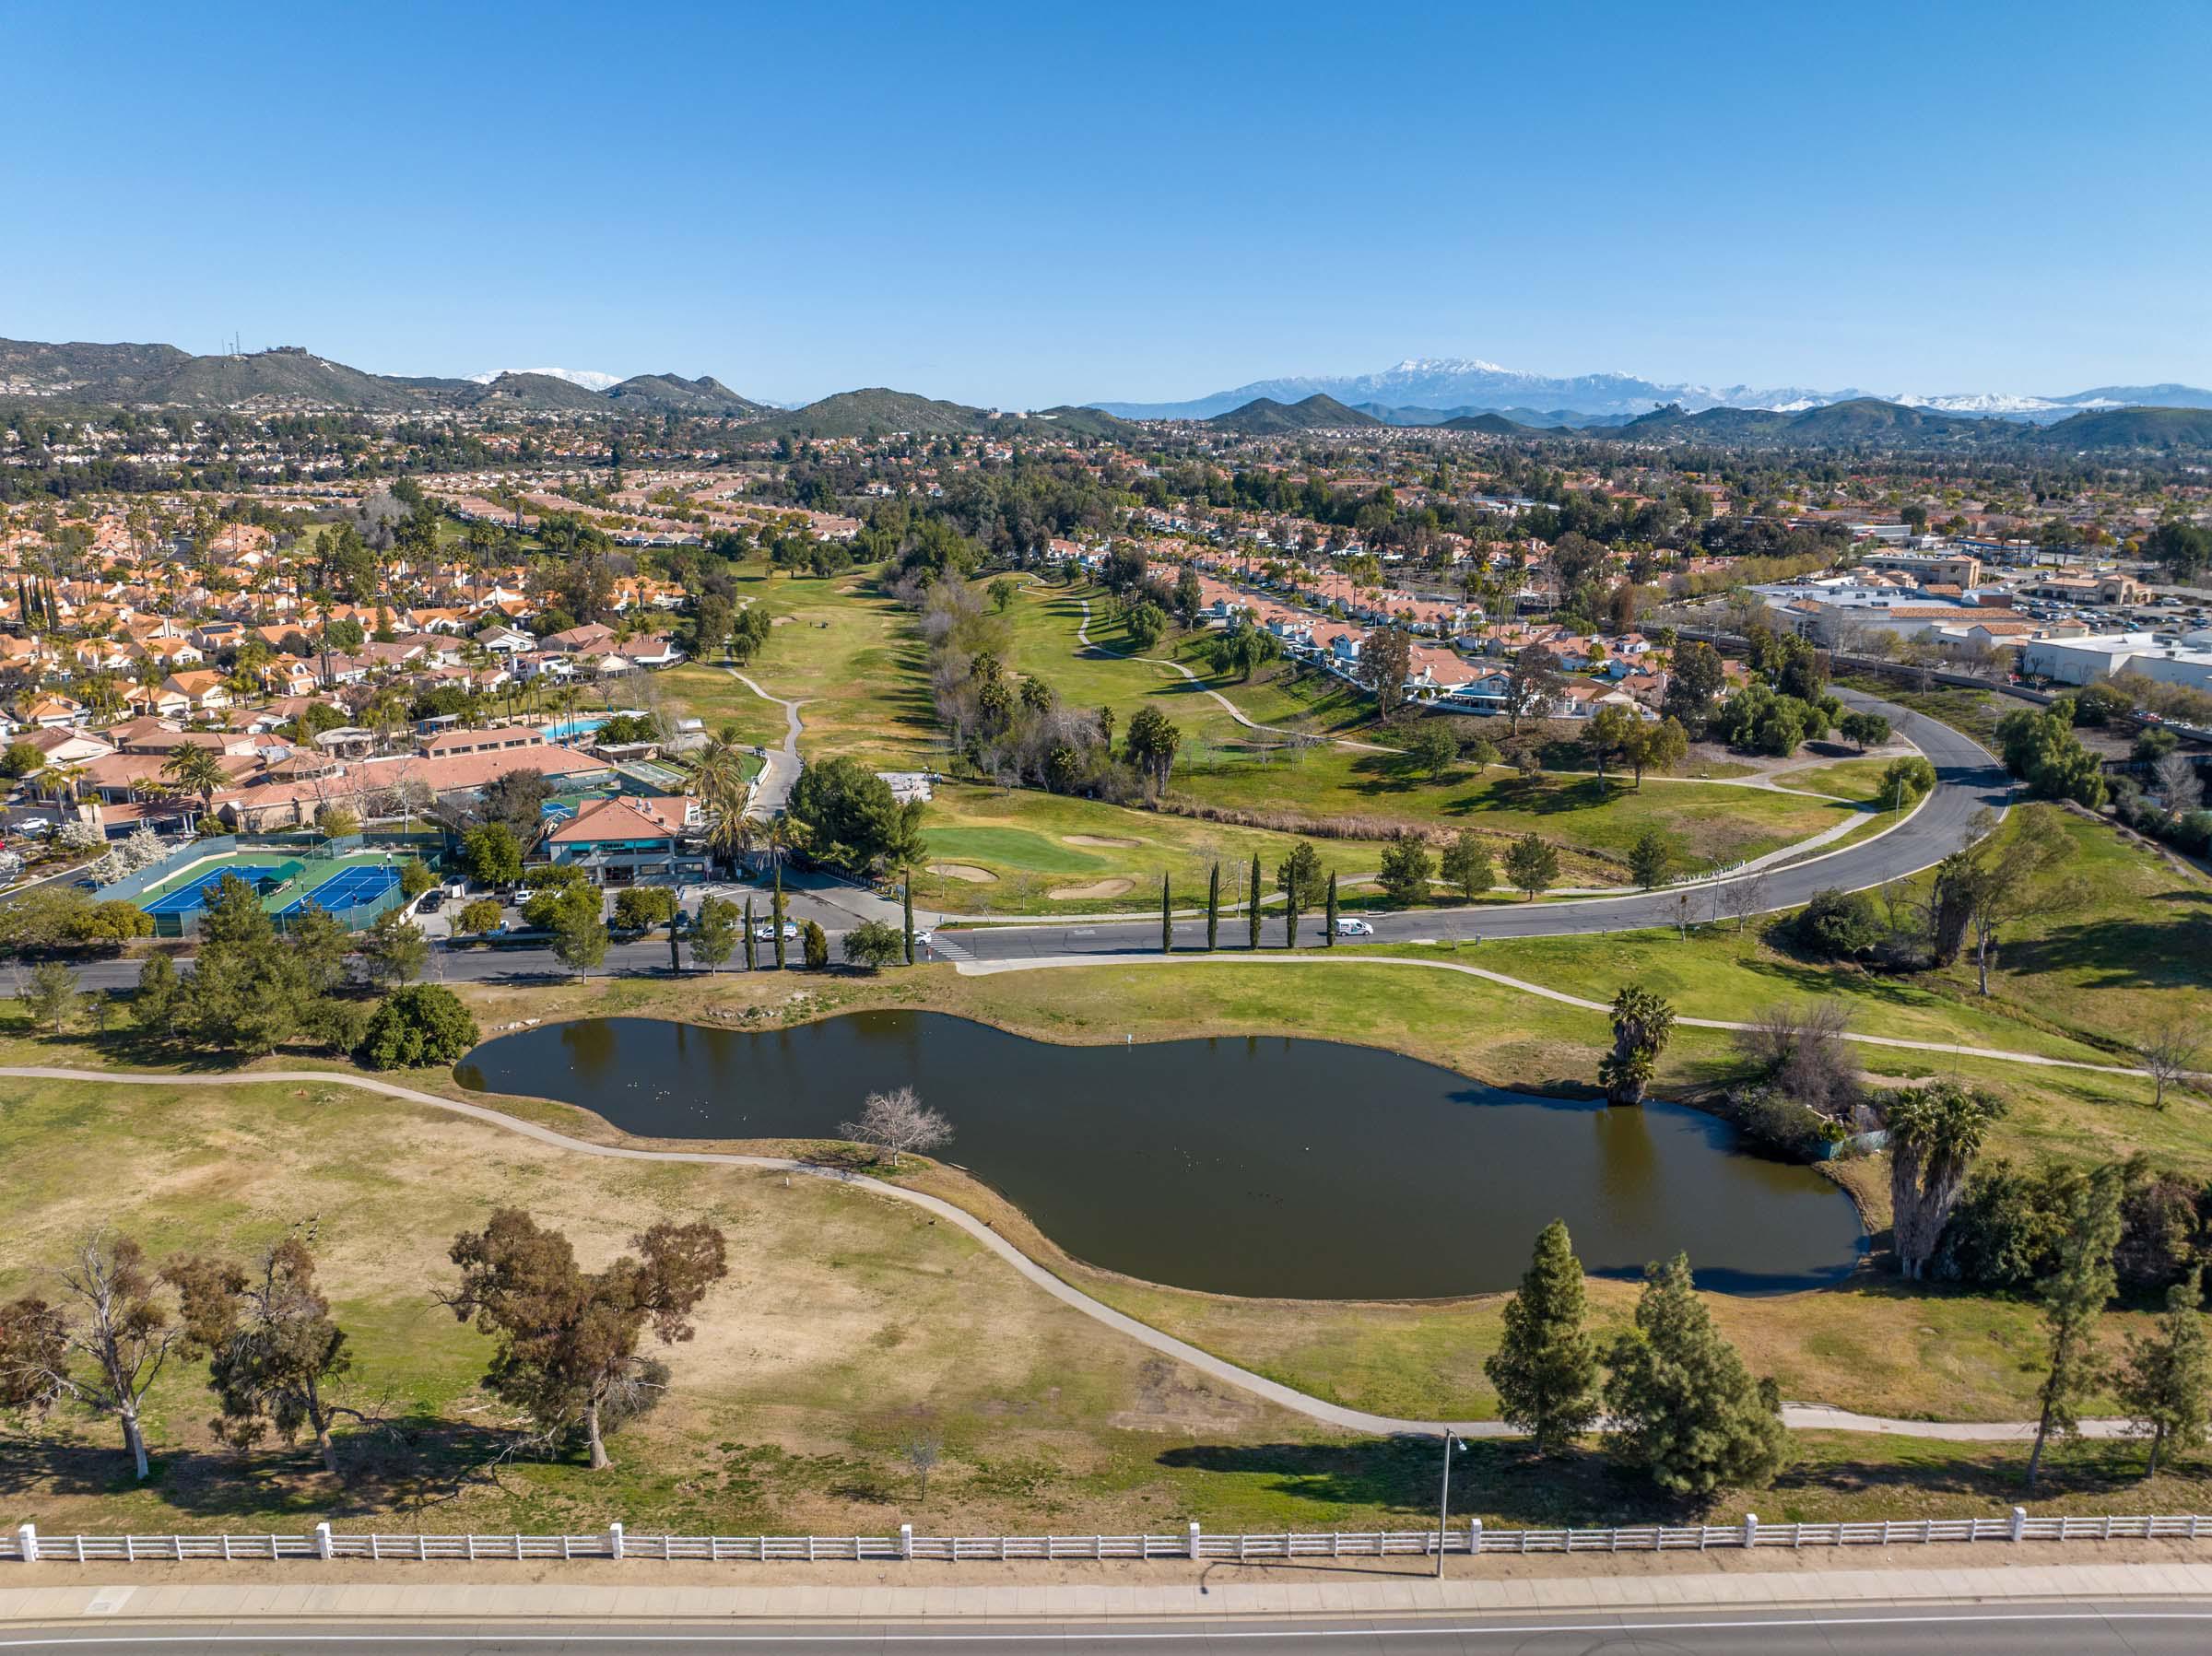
1967 780
2124 1628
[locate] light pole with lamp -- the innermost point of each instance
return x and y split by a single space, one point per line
1444 1500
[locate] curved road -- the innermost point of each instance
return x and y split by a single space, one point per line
1968 779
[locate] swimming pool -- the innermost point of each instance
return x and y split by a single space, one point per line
569 729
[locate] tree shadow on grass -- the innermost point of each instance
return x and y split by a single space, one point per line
2167 946
407 1466
1500 1481
1537 796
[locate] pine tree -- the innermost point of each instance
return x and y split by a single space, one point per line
1252 902
2168 1382
1686 1408
1545 1371
1212 910
2074 1297
1330 937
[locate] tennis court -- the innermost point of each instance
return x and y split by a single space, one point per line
345 889
191 897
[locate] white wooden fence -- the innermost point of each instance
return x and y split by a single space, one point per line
26 1546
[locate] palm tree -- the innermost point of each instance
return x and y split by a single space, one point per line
724 791
63 779
199 771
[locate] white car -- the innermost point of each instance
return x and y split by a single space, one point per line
923 939
766 931
1348 927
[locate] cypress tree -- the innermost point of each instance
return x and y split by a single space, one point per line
906 904
1167 921
1289 917
2168 1382
1687 1411
1252 903
1545 1371
2074 1297
752 949
1331 937
776 916
1212 910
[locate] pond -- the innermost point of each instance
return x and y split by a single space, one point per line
1258 1165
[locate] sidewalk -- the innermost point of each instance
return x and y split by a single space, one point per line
1951 1575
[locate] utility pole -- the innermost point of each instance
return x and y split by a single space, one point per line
1444 1499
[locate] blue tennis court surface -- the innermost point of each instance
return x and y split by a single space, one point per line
345 889
191 897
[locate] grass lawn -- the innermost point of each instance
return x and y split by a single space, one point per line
850 1323
1036 844
844 648
1850 779
1705 822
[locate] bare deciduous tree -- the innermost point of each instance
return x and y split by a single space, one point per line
899 1122
922 1453
2171 1054
1743 899
2179 785
103 1348
1802 1050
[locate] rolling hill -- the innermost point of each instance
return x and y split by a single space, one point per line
1264 416
531 393
1496 425
875 412
1066 421
672 394
2132 429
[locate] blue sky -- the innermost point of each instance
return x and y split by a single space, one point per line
1038 203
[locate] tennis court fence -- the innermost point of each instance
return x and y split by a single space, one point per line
1467 1537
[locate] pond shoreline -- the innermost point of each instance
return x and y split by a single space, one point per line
1223 1210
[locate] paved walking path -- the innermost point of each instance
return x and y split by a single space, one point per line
1816 1416
781 765
984 969
1984 1572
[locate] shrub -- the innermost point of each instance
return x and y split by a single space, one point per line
424 1023
639 908
1838 923
874 943
1774 1122
815 942
477 916
1906 781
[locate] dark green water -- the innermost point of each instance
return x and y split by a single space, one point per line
1263 1165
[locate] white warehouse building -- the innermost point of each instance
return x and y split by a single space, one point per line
2161 656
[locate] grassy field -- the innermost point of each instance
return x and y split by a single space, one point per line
842 648
1040 848
849 1325
1704 822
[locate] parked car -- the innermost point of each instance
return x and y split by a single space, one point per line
923 939
431 902
1348 927
766 931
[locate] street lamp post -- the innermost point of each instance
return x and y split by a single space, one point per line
1444 1499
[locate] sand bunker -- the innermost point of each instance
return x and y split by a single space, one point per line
1113 887
1098 839
964 871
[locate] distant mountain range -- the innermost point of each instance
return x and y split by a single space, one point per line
1428 391
289 378
1444 395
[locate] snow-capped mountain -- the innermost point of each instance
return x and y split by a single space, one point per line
1462 384
590 378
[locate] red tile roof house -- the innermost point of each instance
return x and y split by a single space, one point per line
623 840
